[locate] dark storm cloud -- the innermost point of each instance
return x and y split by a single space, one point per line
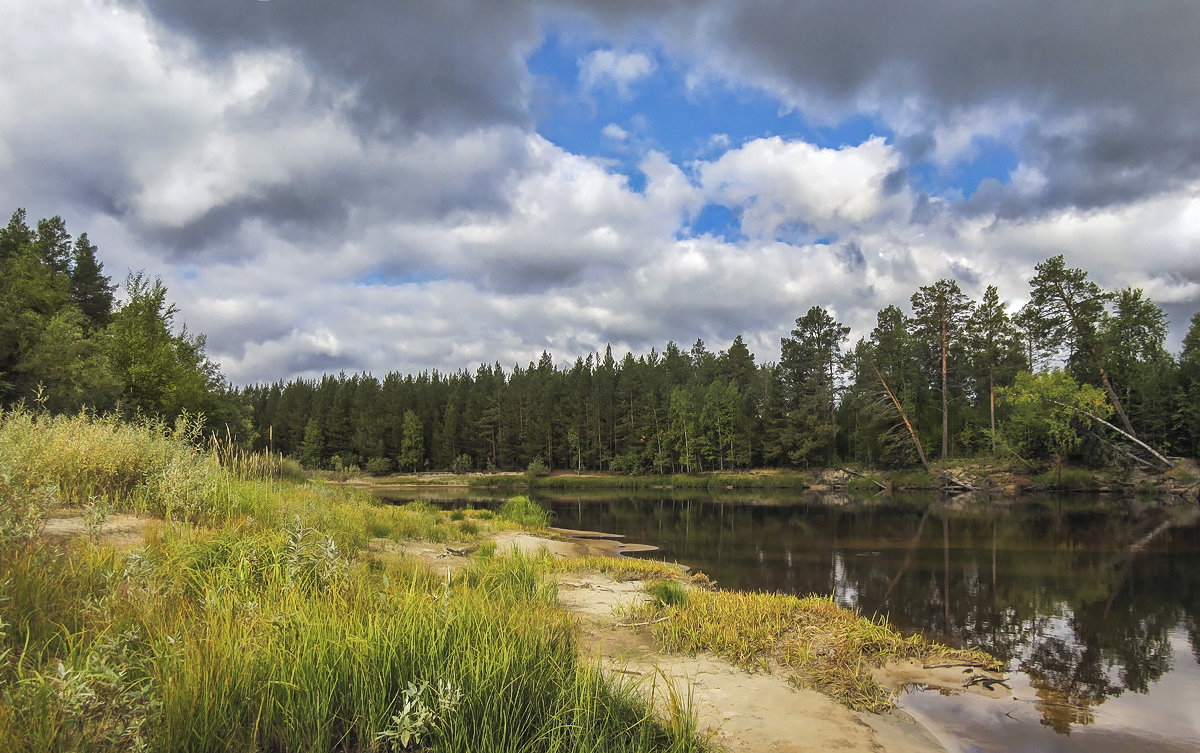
1107 93
418 65
1111 89
851 255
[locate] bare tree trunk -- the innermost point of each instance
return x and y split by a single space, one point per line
945 390
1167 464
1112 395
992 403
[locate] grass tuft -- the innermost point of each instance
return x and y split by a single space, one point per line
668 593
525 512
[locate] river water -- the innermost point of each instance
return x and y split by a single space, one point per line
1093 601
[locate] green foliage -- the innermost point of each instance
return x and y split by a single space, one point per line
412 446
461 464
804 431
379 466
1047 413
161 373
524 512
66 344
537 467
668 593
941 313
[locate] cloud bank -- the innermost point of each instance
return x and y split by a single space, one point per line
370 187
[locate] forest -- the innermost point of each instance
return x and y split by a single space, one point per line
1079 374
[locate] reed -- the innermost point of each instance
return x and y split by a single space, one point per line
143 466
245 464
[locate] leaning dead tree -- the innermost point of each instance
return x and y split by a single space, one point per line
904 417
1163 462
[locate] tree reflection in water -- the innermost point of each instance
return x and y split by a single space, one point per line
1080 593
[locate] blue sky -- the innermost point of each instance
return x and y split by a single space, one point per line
658 110
405 186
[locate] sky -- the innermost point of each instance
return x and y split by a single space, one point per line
381 185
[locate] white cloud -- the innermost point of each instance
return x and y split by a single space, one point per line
620 70
614 132
778 183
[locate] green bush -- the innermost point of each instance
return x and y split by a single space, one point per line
379 466
538 467
525 512
461 464
668 593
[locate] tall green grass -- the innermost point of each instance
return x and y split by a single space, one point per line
252 620
145 466
525 512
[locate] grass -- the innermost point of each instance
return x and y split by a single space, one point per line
524 512
628 568
251 620
911 480
668 593
1067 479
818 643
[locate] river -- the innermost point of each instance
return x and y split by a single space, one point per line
1093 601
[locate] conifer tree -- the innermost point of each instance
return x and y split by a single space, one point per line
941 312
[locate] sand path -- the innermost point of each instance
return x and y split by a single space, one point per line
755 712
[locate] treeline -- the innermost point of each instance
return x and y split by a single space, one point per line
951 377
67 344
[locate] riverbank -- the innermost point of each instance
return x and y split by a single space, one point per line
152 598
978 476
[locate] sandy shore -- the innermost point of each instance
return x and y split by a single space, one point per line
755 712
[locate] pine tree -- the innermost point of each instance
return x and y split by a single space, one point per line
91 290
941 312
1070 309
809 365
412 447
994 345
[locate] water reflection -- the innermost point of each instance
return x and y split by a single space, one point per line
1083 594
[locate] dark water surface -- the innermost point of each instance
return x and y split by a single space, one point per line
1093 601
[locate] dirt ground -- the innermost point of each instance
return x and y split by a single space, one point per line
121 531
755 712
